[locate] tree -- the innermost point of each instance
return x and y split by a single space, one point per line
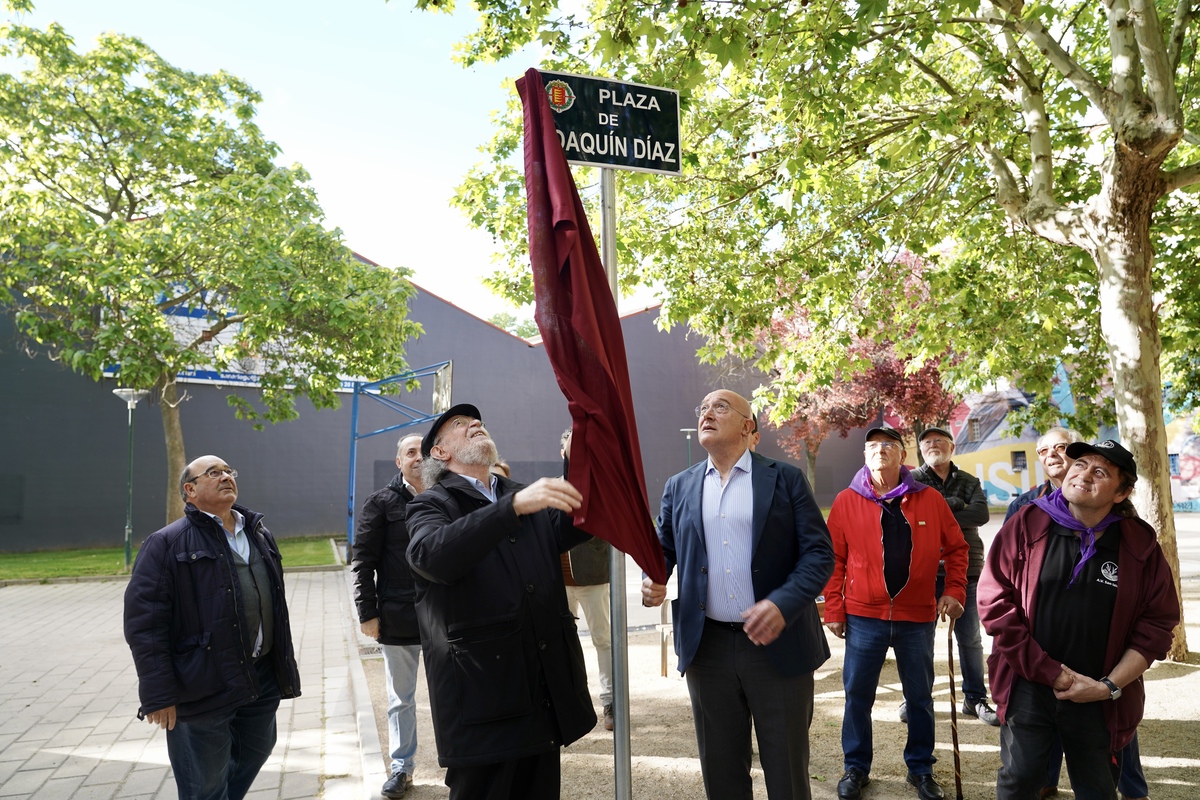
879 381
134 195
1039 157
524 327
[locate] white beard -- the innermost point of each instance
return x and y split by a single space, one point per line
479 452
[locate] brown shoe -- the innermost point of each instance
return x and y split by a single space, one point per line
608 717
1048 791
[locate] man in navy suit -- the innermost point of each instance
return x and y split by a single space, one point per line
753 554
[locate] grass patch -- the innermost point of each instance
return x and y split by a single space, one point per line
310 551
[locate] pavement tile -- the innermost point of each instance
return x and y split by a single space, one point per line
25 782
58 788
86 744
101 791
144 781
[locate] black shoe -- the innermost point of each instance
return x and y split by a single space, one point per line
904 713
851 785
982 712
397 786
927 787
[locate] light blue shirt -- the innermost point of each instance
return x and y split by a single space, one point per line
238 541
728 516
240 544
488 491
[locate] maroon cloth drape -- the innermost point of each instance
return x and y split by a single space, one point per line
577 316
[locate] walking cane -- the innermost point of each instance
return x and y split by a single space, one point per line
954 715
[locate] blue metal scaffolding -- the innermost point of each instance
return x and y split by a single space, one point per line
374 391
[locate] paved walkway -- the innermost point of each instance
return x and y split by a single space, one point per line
68 694
68 699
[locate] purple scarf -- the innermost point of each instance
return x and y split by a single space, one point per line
1056 506
861 483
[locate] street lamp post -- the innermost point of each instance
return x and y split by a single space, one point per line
689 432
131 398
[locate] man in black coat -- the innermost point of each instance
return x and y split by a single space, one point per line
507 684
206 619
385 596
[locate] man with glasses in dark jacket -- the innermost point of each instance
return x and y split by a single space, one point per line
385 596
207 621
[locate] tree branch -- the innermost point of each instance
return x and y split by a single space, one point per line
1080 78
1029 92
1179 26
1188 175
210 333
1160 78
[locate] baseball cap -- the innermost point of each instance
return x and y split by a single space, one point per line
886 430
1109 449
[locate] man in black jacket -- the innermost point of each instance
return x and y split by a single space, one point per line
507 684
386 596
207 621
964 495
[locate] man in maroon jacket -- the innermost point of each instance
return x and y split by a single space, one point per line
1079 600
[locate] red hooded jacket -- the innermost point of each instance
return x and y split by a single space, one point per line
857 585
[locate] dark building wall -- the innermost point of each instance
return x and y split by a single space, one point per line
63 471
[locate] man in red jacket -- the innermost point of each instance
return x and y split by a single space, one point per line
889 534
1079 600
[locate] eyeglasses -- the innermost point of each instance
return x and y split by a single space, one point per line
215 473
870 446
720 408
1061 447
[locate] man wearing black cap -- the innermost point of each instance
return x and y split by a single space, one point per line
1079 600
507 683
964 494
889 533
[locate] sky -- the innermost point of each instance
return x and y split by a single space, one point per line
364 94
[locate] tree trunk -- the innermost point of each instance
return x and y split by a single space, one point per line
1130 328
811 457
176 458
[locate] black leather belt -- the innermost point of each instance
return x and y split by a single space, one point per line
732 626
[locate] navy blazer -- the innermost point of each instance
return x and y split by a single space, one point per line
791 560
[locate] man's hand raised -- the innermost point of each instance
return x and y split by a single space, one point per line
546 493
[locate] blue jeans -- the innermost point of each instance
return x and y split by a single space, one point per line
218 756
400 668
867 643
970 644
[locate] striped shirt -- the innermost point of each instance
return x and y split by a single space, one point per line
728 516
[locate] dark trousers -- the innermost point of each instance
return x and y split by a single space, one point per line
535 777
1035 717
1132 782
732 682
217 757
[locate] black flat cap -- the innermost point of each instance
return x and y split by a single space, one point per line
462 409
942 431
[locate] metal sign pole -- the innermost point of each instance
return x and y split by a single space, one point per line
622 752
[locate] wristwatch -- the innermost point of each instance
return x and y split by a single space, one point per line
1114 691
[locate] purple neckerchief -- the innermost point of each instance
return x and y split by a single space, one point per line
1056 506
861 483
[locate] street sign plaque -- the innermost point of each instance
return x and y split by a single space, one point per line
607 123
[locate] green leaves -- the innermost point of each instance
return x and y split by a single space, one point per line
135 195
